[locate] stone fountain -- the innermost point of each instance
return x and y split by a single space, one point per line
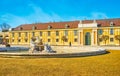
38 45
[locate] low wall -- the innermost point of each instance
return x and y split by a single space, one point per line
62 51
52 55
75 49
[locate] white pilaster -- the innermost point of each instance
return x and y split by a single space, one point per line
81 39
94 39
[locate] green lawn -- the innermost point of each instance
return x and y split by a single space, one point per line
101 65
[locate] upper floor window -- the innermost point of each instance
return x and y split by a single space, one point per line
48 33
100 31
111 31
26 34
33 33
66 33
12 34
40 33
75 32
19 34
57 33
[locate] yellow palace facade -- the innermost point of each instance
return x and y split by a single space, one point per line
83 32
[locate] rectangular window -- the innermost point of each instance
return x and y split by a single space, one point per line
57 40
57 33
33 34
75 32
19 40
111 39
26 34
19 34
40 33
49 40
66 40
66 33
111 31
26 40
100 39
75 40
48 33
12 34
100 31
12 40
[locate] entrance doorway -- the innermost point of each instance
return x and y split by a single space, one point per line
87 38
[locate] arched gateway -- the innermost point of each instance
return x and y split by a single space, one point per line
87 38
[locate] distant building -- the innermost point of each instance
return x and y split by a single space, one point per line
84 32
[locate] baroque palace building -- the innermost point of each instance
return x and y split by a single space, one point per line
83 32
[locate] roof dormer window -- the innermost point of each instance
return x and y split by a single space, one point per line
34 28
49 27
66 26
20 28
111 24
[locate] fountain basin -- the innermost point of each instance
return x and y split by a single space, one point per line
63 53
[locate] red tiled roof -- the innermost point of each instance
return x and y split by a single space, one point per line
71 24
104 22
43 26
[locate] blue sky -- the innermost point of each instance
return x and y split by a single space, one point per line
16 12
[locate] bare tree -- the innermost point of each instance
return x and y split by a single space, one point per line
4 27
105 38
63 39
117 37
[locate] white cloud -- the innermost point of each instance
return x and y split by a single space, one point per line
99 15
38 15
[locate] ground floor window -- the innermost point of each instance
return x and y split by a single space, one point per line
57 40
66 40
100 39
49 40
19 40
75 40
12 40
26 40
111 39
